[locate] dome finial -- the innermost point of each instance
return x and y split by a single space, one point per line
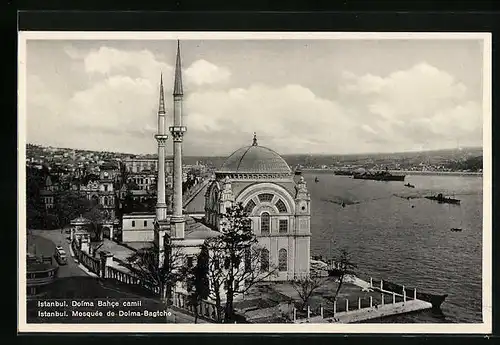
254 139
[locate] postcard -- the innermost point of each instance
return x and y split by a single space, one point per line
266 182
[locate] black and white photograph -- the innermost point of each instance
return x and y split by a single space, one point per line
270 182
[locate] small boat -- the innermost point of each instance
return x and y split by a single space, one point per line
456 229
409 185
316 180
443 200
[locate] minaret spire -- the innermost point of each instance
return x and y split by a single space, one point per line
161 137
161 105
178 91
177 131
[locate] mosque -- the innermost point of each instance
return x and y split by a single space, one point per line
258 177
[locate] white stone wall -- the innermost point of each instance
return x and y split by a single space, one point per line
139 232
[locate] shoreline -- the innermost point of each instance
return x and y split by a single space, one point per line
408 172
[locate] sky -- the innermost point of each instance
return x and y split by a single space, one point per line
299 96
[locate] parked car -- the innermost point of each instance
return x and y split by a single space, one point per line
60 255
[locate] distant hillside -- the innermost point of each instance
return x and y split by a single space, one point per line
447 156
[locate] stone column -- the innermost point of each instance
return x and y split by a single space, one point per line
415 293
106 261
393 298
346 305
334 307
84 246
308 312
371 282
371 301
359 302
382 298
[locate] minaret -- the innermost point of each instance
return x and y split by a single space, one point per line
161 138
177 130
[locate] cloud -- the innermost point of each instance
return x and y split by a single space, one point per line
418 106
115 109
203 72
287 119
110 61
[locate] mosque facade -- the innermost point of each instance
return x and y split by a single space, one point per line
256 176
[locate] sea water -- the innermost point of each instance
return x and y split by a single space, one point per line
394 233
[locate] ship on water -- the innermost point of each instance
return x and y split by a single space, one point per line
378 176
343 172
443 200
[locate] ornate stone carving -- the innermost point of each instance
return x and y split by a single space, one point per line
177 133
161 139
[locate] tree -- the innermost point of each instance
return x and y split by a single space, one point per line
345 267
216 274
68 206
305 287
96 215
235 257
198 281
145 263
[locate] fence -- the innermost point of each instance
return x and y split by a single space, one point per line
91 263
390 294
102 267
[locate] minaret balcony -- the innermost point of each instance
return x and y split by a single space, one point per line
177 129
161 136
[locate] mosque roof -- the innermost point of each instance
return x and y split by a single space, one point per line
195 229
255 159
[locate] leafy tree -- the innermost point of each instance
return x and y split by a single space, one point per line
68 205
96 215
145 263
198 281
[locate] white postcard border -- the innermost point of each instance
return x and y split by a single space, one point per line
464 328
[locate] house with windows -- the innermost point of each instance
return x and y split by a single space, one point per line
138 227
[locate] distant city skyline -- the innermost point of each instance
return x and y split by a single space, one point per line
300 96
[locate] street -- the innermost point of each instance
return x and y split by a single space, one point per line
45 242
57 238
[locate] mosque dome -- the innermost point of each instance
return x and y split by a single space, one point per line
255 159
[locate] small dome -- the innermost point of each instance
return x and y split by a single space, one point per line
80 221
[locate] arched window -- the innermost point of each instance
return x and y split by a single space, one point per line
264 260
266 197
249 207
280 205
282 260
265 223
